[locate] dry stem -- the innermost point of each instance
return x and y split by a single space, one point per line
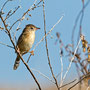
56 83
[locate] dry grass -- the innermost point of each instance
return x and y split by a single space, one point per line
83 87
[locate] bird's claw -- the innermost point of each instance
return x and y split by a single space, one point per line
32 52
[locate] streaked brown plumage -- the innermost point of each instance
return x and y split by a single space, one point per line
25 42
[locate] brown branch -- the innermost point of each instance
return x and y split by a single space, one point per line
6 45
29 58
68 83
14 24
5 4
86 76
31 9
56 83
9 15
25 13
17 51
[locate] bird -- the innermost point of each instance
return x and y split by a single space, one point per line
25 42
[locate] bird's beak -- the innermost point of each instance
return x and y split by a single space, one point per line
37 28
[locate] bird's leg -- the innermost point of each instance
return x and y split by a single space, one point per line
31 53
24 52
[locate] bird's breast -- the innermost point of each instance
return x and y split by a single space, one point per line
29 39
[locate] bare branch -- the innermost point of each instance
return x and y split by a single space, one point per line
14 24
68 83
29 58
6 45
48 32
86 76
9 15
71 60
61 82
5 4
56 83
25 13
43 75
31 8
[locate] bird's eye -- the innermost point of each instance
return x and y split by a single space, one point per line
31 27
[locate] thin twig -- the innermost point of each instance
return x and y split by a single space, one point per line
25 13
29 58
71 60
61 82
43 75
45 36
48 32
14 24
68 83
80 27
59 74
56 83
7 16
31 8
5 4
6 45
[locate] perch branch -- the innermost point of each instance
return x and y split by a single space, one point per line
20 54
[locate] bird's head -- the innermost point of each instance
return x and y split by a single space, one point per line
32 27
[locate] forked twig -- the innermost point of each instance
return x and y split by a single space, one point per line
7 16
25 13
43 75
48 32
71 60
68 83
45 36
87 75
6 45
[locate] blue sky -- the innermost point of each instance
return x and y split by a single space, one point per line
54 9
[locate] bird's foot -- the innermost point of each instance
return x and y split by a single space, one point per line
32 52
18 50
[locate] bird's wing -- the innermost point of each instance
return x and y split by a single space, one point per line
20 40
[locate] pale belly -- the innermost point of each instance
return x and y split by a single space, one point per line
26 44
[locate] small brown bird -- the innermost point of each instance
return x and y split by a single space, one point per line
25 42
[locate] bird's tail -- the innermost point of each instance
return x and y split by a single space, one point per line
16 64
